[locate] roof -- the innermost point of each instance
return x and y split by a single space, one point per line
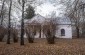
36 19
63 20
40 19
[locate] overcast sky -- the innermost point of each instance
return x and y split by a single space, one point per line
48 7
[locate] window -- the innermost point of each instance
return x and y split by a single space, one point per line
62 32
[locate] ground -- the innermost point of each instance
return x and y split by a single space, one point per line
40 47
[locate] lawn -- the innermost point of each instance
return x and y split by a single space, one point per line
40 47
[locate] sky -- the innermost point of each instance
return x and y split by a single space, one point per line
48 7
44 8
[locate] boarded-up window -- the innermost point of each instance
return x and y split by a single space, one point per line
62 32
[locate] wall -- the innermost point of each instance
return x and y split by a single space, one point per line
68 31
67 28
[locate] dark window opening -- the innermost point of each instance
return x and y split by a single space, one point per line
62 32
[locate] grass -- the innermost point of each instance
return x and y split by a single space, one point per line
40 47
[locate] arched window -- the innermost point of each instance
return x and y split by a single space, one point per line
62 32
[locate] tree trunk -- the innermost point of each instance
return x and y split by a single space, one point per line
2 12
77 32
9 24
22 24
40 32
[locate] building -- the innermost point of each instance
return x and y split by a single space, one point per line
63 26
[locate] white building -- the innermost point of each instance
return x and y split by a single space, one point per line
64 28
63 24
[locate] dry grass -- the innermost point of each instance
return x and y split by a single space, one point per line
40 47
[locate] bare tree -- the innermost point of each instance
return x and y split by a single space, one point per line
9 23
49 29
2 11
75 11
23 5
22 24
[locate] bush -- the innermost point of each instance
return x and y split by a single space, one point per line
30 37
15 39
14 34
31 40
3 32
1 37
50 38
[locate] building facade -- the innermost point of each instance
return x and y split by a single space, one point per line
63 26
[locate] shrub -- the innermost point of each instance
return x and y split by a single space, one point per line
15 39
30 35
1 37
50 38
31 40
3 32
14 34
